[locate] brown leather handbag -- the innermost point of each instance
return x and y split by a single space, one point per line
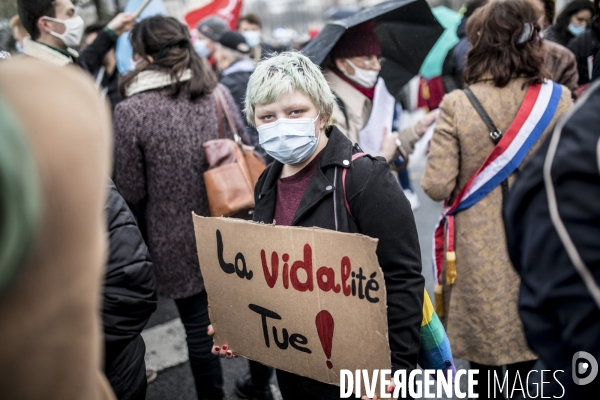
233 169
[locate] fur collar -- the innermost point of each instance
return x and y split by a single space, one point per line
148 80
40 51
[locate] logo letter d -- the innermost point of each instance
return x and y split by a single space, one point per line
582 368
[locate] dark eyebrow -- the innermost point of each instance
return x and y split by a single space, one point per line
265 111
296 106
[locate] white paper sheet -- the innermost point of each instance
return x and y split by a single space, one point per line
421 146
370 136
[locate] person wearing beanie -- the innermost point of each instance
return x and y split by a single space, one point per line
233 61
352 75
210 30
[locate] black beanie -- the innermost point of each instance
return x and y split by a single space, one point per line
235 41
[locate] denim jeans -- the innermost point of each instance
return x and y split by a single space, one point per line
206 367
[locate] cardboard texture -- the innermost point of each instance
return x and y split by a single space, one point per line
313 327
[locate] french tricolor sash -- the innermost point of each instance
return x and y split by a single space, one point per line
533 118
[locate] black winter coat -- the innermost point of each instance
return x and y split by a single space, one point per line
92 56
129 298
91 60
381 211
236 78
237 82
456 60
596 71
562 38
558 313
585 46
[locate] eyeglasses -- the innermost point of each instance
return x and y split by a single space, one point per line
367 62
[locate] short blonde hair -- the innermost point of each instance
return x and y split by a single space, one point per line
283 74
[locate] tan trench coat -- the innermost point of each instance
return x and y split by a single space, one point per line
482 319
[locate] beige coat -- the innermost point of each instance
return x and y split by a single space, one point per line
358 108
482 319
50 333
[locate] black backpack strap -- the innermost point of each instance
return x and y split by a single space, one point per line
342 107
495 133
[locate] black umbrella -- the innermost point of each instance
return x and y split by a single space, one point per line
406 29
335 13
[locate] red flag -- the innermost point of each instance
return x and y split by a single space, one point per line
229 10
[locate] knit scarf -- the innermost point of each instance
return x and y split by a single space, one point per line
148 80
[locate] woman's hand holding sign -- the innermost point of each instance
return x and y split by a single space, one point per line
221 351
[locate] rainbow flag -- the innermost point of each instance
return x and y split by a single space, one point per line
435 350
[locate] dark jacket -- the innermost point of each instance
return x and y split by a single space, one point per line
562 38
557 310
129 299
235 78
109 84
456 60
91 60
159 165
585 46
381 211
596 71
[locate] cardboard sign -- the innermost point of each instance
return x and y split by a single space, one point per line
305 300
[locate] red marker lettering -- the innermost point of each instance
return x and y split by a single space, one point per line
271 278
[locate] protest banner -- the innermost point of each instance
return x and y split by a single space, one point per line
229 10
305 300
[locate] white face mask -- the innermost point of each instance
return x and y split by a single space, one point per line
201 48
289 141
74 28
252 38
366 78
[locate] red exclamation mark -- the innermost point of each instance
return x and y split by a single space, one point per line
324 323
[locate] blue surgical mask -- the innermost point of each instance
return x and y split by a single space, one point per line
252 38
576 30
289 141
201 49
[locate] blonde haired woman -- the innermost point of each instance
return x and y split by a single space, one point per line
290 103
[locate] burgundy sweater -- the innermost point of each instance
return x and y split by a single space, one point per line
290 191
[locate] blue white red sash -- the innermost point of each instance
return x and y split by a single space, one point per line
534 116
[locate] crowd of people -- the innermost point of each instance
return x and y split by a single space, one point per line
101 170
